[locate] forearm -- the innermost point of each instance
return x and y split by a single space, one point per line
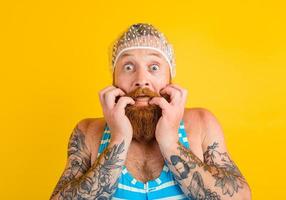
102 177
199 180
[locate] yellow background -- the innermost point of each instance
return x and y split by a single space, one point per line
54 60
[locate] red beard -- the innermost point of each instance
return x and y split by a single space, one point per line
144 118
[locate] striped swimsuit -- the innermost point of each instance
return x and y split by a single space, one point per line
162 188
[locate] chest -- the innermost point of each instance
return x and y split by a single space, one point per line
144 167
148 166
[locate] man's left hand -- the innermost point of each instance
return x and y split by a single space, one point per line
172 113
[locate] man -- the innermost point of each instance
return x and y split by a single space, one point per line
148 145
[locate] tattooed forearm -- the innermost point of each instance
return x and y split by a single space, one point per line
195 189
198 191
96 182
79 159
218 170
100 182
226 173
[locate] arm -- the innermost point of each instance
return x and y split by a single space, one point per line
215 178
99 181
80 180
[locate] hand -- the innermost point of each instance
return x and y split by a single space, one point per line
172 113
114 113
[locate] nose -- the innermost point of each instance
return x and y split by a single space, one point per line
141 79
141 84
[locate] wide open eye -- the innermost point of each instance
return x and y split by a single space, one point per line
128 67
154 67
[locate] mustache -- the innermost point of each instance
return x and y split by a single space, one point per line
142 92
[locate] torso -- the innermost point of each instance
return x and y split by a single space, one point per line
146 162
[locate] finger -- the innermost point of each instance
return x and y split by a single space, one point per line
175 95
177 87
160 101
102 92
110 96
183 91
123 102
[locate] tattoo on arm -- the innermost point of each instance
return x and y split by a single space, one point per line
79 159
196 189
83 181
226 174
99 183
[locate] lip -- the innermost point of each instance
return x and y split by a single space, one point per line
142 98
142 101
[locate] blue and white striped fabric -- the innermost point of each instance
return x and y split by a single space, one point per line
162 188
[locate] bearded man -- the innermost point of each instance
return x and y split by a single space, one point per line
148 145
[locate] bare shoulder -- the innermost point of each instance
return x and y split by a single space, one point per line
86 123
92 128
201 121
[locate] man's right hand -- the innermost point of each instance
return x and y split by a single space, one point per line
114 113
